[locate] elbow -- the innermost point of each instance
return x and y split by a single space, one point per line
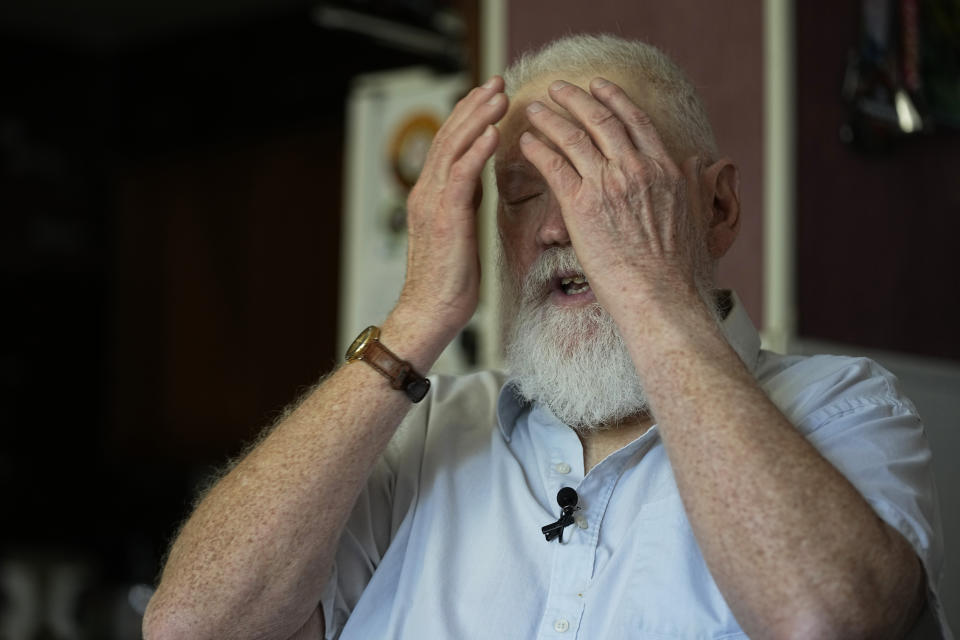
164 622
865 607
803 623
159 629
812 625
158 624
823 628
850 622
166 619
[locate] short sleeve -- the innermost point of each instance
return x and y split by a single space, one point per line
875 438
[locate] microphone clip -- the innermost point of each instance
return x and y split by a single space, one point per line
567 499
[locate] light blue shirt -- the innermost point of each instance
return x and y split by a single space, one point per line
445 540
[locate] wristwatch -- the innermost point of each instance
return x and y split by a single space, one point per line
400 373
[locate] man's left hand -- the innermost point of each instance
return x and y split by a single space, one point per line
633 215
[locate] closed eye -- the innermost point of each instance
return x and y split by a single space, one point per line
518 201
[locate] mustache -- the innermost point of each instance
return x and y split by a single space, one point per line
545 268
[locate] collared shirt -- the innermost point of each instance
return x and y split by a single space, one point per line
445 540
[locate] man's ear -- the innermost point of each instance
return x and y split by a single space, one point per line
722 187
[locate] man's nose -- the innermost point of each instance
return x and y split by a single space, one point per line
552 230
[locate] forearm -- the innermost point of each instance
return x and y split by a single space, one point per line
781 530
791 543
252 560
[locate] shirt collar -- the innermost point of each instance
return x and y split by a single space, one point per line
737 328
740 332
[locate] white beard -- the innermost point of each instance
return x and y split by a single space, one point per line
572 360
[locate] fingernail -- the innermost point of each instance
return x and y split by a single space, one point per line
494 99
556 86
535 106
489 83
599 83
526 137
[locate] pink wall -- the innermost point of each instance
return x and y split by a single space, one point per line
877 259
721 49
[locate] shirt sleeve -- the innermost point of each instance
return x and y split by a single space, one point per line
383 503
874 436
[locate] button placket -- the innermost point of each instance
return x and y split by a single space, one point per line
571 567
559 449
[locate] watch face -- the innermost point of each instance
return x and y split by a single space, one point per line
355 351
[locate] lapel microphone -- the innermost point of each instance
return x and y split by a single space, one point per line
567 499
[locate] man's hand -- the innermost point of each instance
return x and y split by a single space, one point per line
632 214
637 222
443 266
255 556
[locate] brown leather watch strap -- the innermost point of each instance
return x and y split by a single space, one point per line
400 373
387 363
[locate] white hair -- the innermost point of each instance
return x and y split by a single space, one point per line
573 361
689 129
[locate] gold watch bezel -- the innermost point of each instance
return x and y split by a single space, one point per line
359 346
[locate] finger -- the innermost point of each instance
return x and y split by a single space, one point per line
465 172
607 131
563 179
637 122
475 97
482 106
572 140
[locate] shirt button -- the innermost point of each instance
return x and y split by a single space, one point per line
562 467
581 521
561 625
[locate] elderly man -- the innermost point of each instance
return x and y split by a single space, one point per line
709 489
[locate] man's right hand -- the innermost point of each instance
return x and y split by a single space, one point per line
254 558
443 265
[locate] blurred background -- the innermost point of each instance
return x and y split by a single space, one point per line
202 202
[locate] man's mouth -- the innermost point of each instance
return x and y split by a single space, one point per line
573 285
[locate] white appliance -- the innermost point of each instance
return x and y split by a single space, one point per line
391 119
